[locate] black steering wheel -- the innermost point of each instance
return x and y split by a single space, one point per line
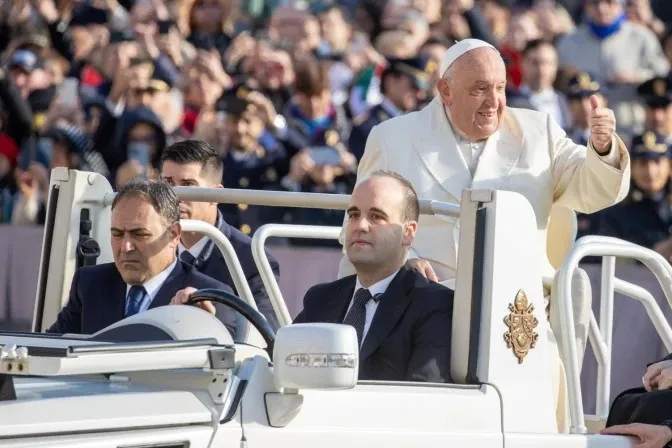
239 305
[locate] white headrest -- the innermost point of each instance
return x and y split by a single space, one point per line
458 49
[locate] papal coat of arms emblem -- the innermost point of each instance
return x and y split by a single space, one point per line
521 322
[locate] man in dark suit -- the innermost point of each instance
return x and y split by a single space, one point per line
403 320
146 273
193 163
645 412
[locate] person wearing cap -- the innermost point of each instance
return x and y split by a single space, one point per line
645 216
253 157
403 84
657 95
580 87
620 55
467 138
21 66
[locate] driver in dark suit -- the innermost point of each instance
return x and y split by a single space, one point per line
403 320
146 273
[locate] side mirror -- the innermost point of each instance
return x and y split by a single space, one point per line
316 356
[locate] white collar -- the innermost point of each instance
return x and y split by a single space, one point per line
545 93
390 107
379 287
194 250
153 285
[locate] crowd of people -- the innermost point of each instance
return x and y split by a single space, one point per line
288 91
315 96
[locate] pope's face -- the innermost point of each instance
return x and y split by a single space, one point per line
475 93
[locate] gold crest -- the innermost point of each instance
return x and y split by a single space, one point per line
521 322
659 87
651 143
331 137
242 92
584 81
649 139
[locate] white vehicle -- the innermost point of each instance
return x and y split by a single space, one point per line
178 379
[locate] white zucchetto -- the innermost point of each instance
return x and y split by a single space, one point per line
458 49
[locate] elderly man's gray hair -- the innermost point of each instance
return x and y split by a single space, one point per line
156 193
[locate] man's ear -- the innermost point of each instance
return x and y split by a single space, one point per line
216 186
443 87
409 233
175 230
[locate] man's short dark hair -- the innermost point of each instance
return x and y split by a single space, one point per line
411 210
190 151
156 193
311 77
536 43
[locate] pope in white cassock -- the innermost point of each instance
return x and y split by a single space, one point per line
467 138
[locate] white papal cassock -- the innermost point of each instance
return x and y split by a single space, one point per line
530 155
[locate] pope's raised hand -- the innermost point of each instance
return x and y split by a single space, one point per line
602 125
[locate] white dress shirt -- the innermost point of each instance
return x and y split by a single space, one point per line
377 288
549 102
153 285
194 250
391 108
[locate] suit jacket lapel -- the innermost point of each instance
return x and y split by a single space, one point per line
500 155
111 307
391 307
440 153
173 283
333 311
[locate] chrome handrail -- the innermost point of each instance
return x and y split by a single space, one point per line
605 247
265 270
287 199
230 257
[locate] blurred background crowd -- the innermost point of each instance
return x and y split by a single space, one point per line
287 91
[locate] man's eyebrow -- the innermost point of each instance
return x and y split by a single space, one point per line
352 208
133 230
379 211
181 180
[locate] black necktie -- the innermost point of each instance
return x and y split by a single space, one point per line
187 257
357 314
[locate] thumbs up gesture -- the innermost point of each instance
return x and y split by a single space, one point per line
602 125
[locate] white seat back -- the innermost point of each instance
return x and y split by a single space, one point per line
560 234
499 308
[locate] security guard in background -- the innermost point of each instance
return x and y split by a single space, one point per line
578 90
645 216
253 158
657 95
404 85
